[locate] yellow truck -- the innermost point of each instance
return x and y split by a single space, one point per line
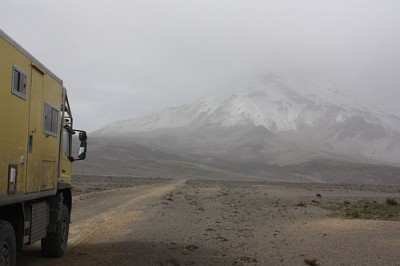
36 135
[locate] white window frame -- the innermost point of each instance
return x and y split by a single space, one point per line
21 73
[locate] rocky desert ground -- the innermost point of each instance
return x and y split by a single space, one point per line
155 221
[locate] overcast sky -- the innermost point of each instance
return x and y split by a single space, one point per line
125 58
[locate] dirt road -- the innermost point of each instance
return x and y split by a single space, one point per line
102 218
192 222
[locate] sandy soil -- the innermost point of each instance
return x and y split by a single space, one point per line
198 222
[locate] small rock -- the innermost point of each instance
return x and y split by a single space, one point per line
191 247
310 261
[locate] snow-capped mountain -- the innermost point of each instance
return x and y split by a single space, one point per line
308 117
276 103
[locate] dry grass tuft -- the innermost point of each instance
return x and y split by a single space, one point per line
391 201
365 209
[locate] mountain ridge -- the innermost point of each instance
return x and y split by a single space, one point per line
259 102
299 115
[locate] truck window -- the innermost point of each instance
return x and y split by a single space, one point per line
19 83
50 120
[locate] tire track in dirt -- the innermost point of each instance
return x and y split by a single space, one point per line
121 204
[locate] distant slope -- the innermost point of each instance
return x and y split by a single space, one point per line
123 157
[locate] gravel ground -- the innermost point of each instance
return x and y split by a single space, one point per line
205 222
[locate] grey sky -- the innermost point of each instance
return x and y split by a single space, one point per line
121 59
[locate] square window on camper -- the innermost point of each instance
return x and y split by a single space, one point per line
50 120
19 83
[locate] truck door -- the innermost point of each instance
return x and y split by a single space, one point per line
33 181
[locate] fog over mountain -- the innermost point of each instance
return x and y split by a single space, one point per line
271 119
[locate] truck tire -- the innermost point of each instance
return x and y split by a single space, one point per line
55 243
8 244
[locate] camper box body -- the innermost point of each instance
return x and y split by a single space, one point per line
31 104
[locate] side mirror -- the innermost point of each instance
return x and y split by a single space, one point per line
82 136
82 147
82 150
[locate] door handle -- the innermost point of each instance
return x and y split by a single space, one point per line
30 144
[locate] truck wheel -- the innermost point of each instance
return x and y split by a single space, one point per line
8 244
55 243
